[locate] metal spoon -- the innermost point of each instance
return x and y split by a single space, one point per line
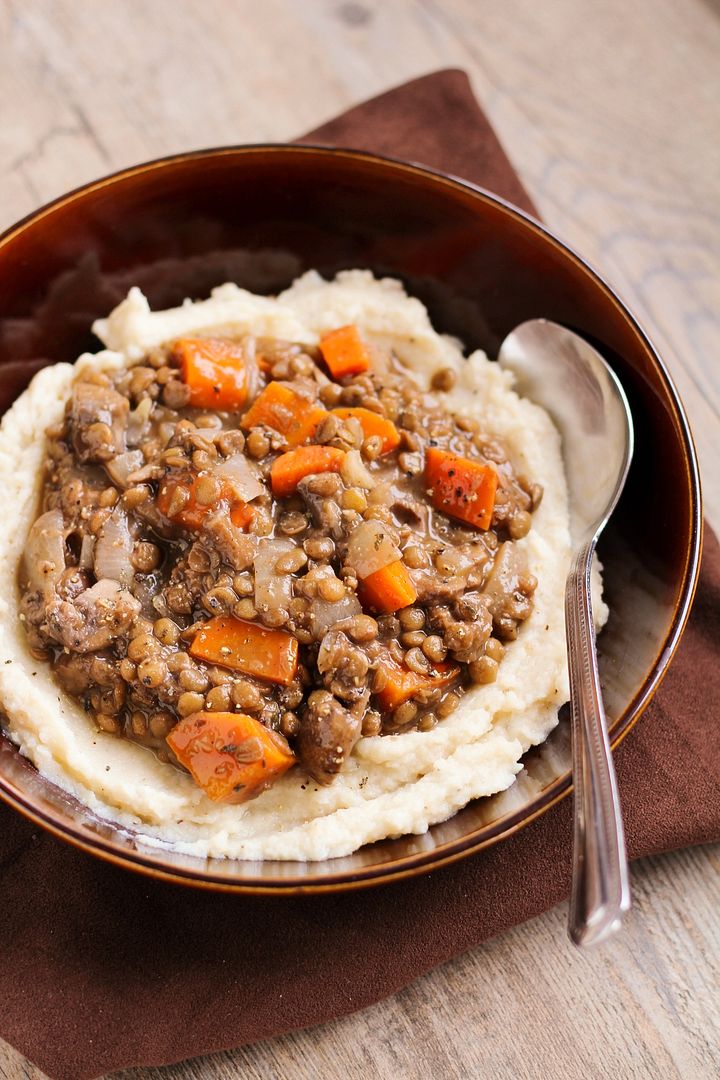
560 371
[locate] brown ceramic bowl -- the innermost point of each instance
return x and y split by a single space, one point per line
260 215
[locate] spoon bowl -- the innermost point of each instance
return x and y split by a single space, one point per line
560 371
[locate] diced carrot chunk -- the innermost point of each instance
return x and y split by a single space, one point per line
373 424
185 510
176 500
215 371
241 515
344 352
290 468
280 408
388 589
247 647
401 684
461 488
231 756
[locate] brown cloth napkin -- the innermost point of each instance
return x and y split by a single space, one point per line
102 969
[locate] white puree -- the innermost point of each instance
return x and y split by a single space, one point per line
391 785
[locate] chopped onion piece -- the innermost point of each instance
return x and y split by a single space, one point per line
354 472
252 369
382 494
371 547
249 345
510 563
87 552
104 589
165 431
120 467
242 476
160 604
272 590
45 552
327 613
113 549
138 421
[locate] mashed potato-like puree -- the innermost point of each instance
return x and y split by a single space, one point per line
390 785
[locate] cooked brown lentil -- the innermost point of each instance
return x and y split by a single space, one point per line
444 379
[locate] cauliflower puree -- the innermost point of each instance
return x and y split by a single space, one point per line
390 785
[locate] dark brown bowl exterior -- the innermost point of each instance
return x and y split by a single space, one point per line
262 215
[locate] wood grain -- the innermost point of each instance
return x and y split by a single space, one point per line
611 114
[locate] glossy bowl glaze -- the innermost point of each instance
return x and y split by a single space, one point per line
261 215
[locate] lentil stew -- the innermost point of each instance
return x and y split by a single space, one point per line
251 554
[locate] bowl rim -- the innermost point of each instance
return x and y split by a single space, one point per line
149 861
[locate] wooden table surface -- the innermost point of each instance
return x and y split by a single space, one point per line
611 114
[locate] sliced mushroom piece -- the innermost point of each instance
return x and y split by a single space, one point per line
343 666
328 733
45 553
321 494
236 548
94 619
98 419
273 591
431 588
113 549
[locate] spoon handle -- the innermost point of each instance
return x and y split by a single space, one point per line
600 887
